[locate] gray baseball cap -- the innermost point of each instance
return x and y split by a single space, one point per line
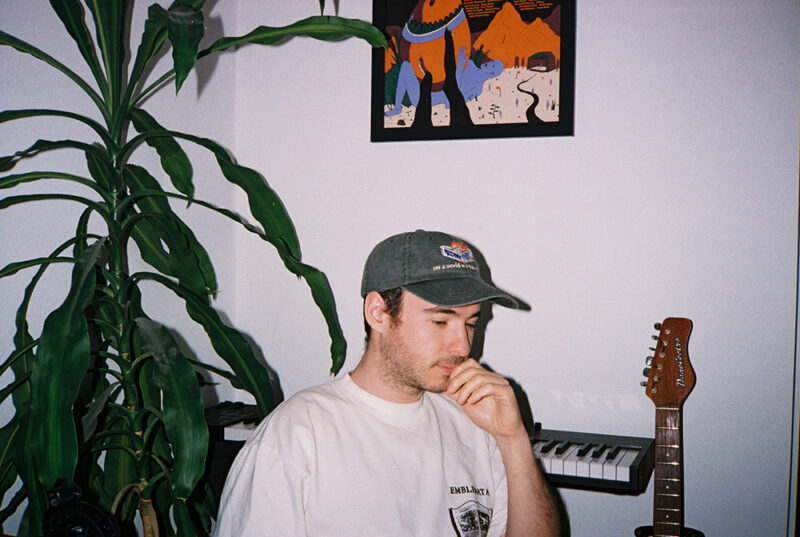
435 266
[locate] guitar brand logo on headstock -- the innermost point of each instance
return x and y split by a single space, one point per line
680 380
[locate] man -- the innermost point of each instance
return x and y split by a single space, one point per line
418 440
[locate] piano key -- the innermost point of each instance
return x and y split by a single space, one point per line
624 466
564 447
597 461
547 448
583 460
542 457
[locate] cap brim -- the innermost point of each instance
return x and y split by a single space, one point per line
460 292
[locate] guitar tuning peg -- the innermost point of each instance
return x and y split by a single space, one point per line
648 360
646 372
643 383
652 349
655 338
657 326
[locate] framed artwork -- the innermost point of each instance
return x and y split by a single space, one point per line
473 69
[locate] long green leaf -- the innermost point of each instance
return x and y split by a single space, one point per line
182 406
194 260
13 268
153 38
8 162
228 342
73 18
265 205
173 159
7 435
23 341
62 359
327 28
323 27
183 519
110 29
10 181
26 466
11 115
185 29
323 296
316 280
22 46
99 209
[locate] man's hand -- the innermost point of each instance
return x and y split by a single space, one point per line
488 400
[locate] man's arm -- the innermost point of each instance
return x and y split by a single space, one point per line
488 400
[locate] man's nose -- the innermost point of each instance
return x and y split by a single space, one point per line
460 342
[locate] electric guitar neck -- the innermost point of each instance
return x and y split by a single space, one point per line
670 378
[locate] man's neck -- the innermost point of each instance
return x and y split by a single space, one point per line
369 377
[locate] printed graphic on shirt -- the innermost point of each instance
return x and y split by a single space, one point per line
471 519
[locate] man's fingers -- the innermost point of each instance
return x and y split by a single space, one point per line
470 383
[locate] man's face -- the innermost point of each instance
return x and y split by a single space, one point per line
425 343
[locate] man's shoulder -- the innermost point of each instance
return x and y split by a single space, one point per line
299 413
315 397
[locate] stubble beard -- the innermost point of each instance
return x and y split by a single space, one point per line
409 373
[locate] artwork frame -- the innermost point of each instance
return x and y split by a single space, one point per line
480 79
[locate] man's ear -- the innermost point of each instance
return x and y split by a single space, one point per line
375 312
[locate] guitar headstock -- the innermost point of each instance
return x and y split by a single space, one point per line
670 376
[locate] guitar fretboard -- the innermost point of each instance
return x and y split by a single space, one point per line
668 474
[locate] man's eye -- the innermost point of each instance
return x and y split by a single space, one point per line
471 327
439 323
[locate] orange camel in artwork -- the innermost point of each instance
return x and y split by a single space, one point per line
425 33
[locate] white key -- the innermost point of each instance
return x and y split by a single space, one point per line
610 465
624 466
596 464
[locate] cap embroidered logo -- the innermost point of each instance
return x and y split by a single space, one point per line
457 251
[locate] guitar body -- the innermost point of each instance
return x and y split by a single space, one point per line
647 531
670 379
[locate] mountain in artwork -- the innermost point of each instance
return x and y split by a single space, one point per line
511 40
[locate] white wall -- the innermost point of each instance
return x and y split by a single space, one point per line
677 195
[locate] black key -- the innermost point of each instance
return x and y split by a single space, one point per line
547 448
599 451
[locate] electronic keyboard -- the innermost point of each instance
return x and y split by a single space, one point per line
602 462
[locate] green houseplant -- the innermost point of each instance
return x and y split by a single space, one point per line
103 396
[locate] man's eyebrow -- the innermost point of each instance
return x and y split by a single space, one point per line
439 309
449 311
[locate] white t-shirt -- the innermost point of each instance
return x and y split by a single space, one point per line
336 461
